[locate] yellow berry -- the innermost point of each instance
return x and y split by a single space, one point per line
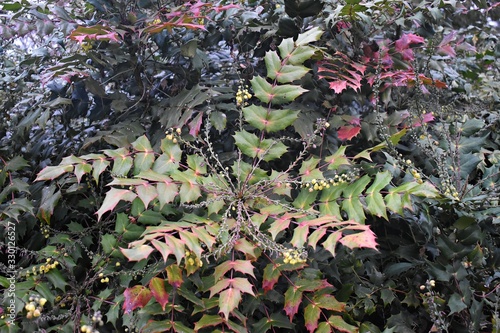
36 313
30 307
117 264
42 301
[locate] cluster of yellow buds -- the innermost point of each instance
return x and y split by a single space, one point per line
103 279
171 134
88 329
242 95
320 184
293 257
35 306
42 269
86 46
192 260
417 176
45 232
450 190
428 284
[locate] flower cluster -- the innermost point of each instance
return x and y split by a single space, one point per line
171 134
320 184
35 306
103 279
193 261
42 269
96 320
242 95
293 257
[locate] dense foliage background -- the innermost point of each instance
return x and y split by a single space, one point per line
190 166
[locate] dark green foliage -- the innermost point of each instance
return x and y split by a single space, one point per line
293 166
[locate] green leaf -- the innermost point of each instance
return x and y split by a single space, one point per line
309 36
190 190
122 161
337 159
311 316
208 320
456 303
309 170
56 278
331 242
157 287
305 199
293 298
270 277
229 300
269 120
143 162
50 198
137 253
52 172
108 243
286 47
252 146
285 93
290 73
375 201
262 89
281 94
301 54
16 163
113 197
340 325
98 166
273 64
351 204
146 193
174 276
327 301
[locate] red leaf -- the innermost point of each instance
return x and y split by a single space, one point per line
338 86
157 287
447 50
136 297
195 125
365 238
348 132
427 118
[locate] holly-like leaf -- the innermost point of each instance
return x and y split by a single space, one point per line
309 36
340 325
311 316
52 172
229 300
243 266
157 287
251 145
50 198
113 197
146 193
137 253
269 120
174 276
270 277
279 94
136 297
329 302
293 298
364 238
331 242
208 320
348 132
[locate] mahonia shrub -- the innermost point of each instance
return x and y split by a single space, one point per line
221 236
